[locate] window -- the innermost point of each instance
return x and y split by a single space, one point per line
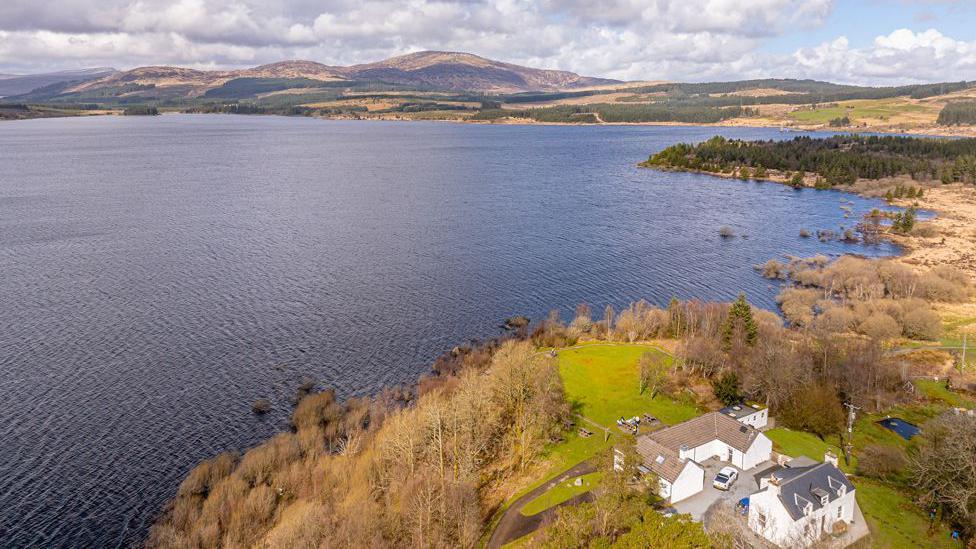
762 520
840 511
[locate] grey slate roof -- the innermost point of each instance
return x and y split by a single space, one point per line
704 429
799 486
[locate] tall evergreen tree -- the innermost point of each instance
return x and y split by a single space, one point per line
740 314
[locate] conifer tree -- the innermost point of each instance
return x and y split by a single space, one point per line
740 314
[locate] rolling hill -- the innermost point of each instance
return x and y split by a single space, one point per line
16 84
430 71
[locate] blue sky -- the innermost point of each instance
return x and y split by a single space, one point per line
850 41
862 20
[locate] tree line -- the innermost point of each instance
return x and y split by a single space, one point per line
837 160
958 113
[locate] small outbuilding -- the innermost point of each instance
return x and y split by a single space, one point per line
753 414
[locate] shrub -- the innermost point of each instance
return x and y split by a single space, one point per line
921 323
726 232
840 122
797 305
944 283
774 269
261 406
881 461
837 319
880 326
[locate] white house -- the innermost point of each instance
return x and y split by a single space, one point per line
798 505
750 413
678 478
675 453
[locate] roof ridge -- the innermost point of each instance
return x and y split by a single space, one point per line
808 470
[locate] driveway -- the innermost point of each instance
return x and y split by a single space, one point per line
746 485
514 524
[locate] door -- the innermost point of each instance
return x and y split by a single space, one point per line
729 459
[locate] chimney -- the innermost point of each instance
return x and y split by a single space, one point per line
831 458
684 452
772 484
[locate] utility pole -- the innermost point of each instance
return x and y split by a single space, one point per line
850 416
848 445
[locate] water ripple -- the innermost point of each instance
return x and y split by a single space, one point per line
159 275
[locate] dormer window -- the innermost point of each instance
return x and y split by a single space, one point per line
841 491
807 509
823 496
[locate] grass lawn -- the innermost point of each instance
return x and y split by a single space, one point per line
564 491
601 382
895 521
801 443
575 449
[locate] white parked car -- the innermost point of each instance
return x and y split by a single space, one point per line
725 478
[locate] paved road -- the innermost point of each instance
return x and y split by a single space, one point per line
514 524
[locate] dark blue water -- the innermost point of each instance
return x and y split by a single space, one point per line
901 427
157 275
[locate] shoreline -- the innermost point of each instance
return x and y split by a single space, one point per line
948 238
925 131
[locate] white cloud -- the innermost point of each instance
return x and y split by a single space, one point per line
900 57
630 39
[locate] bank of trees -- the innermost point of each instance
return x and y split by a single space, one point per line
839 160
140 110
368 472
958 113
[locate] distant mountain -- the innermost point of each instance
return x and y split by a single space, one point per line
466 72
16 84
434 71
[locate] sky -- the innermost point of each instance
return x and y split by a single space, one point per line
877 42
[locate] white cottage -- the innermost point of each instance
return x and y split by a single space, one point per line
675 453
750 413
798 505
678 478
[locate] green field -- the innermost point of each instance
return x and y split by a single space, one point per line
601 382
876 109
895 521
564 491
801 443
